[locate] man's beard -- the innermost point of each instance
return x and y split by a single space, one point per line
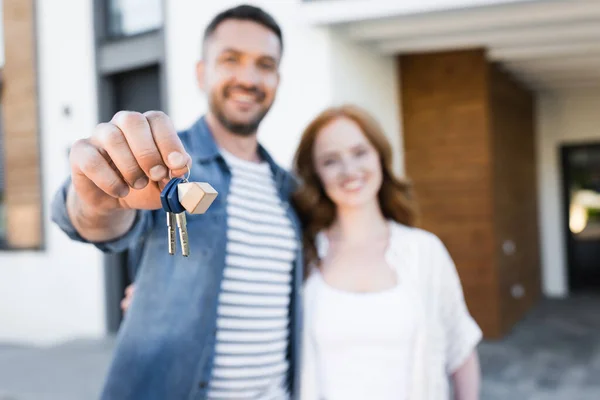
238 128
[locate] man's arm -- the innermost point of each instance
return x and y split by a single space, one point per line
116 241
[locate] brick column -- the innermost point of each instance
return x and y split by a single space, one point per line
469 150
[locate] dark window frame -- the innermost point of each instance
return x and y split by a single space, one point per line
114 55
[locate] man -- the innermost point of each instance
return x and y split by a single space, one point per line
224 322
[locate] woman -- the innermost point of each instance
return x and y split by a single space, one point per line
385 316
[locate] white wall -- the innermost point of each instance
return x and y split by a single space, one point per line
57 294
563 118
314 64
369 80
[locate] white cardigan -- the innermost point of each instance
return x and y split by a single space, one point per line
447 334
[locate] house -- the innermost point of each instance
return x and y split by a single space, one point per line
491 107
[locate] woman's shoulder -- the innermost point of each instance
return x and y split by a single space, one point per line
312 280
403 234
418 247
310 290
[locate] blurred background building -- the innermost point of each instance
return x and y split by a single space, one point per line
492 108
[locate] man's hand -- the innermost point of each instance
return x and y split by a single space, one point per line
128 297
123 164
122 167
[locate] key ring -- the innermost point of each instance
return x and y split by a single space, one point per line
184 179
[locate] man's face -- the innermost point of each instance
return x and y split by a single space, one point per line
240 74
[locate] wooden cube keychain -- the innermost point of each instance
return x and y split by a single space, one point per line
178 196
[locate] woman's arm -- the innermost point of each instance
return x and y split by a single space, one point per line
461 331
467 379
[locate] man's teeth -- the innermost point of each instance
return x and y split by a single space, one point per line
243 97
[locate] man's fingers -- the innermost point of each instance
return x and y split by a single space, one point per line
129 290
87 160
125 304
138 134
128 296
168 142
110 138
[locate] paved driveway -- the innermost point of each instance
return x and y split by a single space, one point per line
554 354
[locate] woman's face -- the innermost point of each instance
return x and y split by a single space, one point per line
347 164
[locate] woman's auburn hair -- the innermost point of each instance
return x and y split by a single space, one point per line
315 209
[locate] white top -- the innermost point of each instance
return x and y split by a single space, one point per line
444 332
363 353
253 310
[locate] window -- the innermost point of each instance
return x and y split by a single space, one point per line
132 17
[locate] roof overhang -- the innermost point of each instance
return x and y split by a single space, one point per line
548 44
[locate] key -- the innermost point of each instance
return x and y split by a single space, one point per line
183 234
171 218
178 210
179 196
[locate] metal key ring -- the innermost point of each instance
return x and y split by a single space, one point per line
184 179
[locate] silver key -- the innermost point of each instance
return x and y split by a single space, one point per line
183 234
171 219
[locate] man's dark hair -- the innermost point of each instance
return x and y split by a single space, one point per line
245 12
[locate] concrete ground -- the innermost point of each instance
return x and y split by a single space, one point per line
553 354
71 371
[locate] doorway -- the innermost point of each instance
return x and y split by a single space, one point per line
137 90
581 196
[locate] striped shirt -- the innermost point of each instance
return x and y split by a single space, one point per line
253 310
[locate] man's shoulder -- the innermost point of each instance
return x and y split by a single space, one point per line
287 173
278 169
291 179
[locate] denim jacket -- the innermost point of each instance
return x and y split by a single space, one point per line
166 342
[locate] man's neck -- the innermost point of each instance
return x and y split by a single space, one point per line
244 147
